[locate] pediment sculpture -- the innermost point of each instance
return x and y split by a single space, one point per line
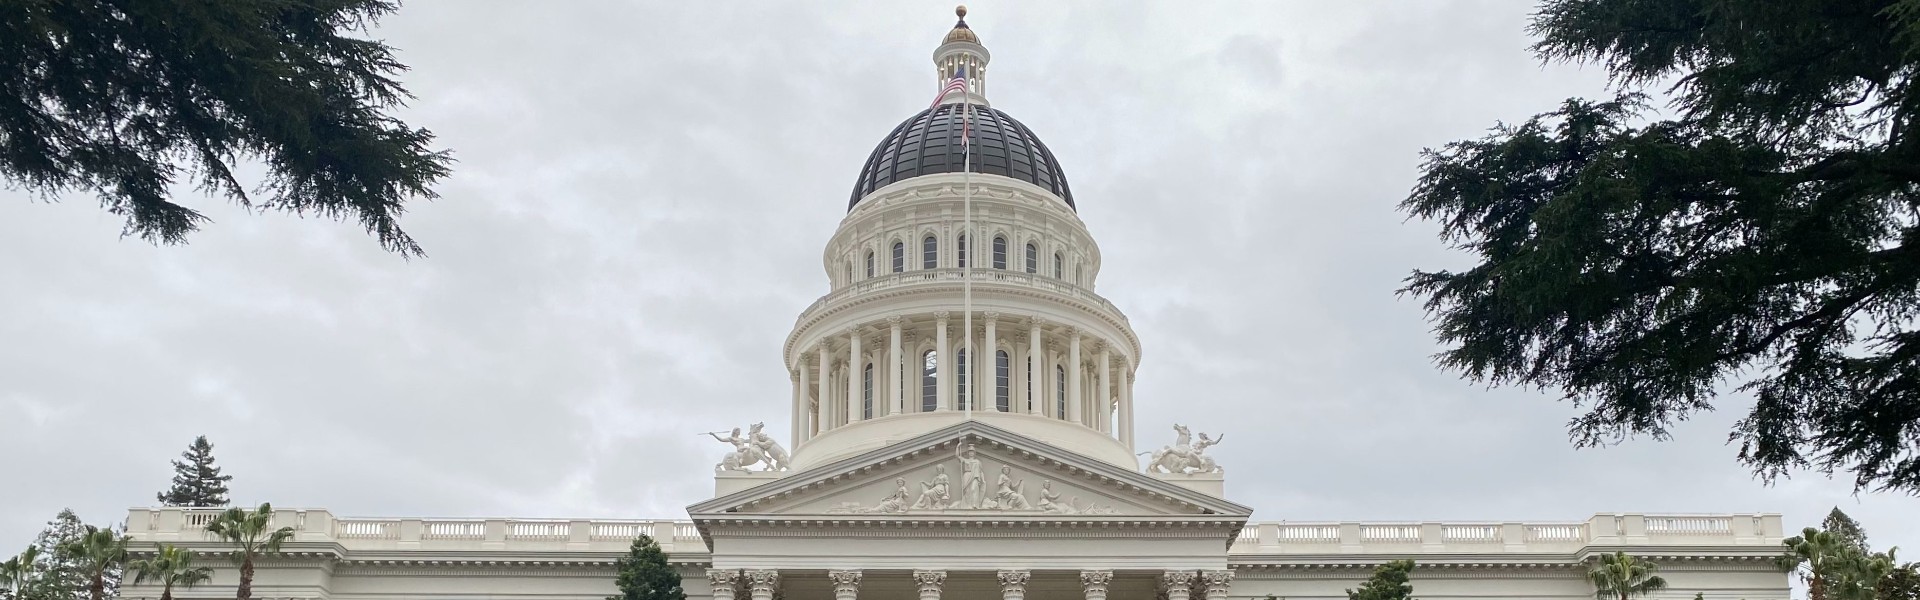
757 447
938 493
1185 456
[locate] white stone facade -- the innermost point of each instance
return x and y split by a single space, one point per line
915 475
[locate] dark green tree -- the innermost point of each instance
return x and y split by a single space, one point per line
1764 234
123 98
1389 582
63 577
1902 584
196 481
645 575
1845 530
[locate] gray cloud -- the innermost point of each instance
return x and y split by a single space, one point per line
637 216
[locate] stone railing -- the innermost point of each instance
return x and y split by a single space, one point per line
185 526
1763 530
980 276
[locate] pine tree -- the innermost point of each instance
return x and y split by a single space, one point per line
196 481
1845 530
61 578
1389 582
645 575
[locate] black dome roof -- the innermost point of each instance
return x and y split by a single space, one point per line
929 143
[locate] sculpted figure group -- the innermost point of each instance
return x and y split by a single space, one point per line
939 493
1185 456
756 448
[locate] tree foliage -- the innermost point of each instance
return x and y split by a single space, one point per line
1845 530
251 533
1388 582
645 575
170 567
62 576
196 481
1836 563
100 554
124 98
1620 576
1764 235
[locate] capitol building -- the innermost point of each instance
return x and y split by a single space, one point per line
963 427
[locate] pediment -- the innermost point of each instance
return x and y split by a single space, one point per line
930 476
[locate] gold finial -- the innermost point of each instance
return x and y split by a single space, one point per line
961 10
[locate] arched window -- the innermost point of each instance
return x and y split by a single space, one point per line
1001 386
960 383
1059 266
1033 258
929 253
869 264
930 381
866 392
899 257
1060 391
999 252
961 257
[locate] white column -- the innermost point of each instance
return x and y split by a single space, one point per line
799 406
1126 405
991 374
826 399
763 583
806 399
855 365
895 386
943 373
722 581
1074 399
1036 367
846 584
1103 408
1013 583
1217 583
929 583
1095 583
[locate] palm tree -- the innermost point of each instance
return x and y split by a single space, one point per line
170 567
1619 576
1824 555
96 554
19 573
250 535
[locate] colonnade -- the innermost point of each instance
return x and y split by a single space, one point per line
878 369
763 584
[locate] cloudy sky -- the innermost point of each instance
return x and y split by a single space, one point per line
637 216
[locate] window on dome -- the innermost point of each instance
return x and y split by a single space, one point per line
869 264
929 253
1060 391
999 252
899 257
1001 387
960 382
1033 258
961 258
930 381
866 392
1059 266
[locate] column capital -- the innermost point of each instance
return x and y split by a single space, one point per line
990 315
1036 320
846 583
1094 584
793 375
1013 583
1070 331
940 315
929 583
1178 584
722 581
761 582
851 331
1099 345
1217 583
893 321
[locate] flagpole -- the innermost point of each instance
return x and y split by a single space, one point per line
973 241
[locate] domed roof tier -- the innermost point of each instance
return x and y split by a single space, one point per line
929 143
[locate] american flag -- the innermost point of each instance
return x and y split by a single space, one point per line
958 83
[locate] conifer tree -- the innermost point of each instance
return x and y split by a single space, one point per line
645 575
61 577
196 481
1845 530
1389 582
